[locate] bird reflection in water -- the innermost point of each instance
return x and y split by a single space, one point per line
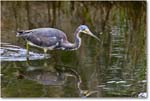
55 78
44 77
83 93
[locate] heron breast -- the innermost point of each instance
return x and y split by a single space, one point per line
53 46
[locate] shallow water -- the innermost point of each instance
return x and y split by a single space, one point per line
114 67
69 73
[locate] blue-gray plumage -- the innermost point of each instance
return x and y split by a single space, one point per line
51 38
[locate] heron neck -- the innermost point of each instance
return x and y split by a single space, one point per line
75 45
77 40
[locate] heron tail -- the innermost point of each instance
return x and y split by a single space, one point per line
22 33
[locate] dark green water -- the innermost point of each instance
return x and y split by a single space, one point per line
114 67
81 73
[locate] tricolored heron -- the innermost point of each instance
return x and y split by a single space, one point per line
51 38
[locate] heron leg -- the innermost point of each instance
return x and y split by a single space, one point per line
27 48
45 51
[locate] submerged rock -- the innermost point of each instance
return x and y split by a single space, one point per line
15 53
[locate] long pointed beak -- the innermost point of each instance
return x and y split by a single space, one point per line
91 34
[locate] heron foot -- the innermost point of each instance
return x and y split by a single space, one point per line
46 56
27 56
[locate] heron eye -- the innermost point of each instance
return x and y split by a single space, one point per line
83 29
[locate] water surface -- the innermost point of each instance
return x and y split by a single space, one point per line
114 67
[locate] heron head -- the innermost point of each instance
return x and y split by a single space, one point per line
84 29
19 33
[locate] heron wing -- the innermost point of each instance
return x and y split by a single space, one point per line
45 37
43 41
49 32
